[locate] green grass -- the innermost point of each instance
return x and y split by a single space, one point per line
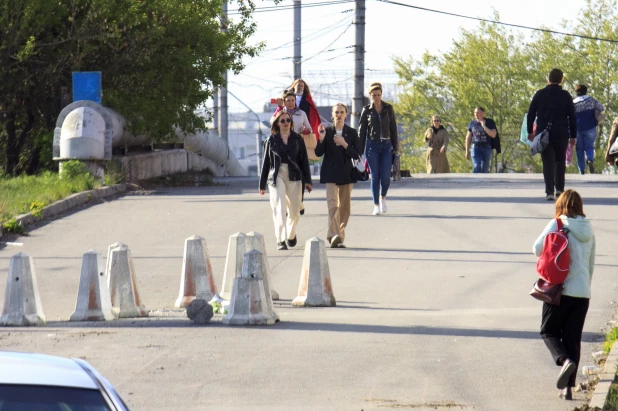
19 195
610 339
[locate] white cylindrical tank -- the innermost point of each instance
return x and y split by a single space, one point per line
82 135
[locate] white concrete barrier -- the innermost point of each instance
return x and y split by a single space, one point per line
236 249
249 305
109 257
93 301
22 304
255 241
196 280
122 285
315 288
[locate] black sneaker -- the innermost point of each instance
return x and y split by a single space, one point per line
591 166
282 246
568 368
292 242
302 211
336 241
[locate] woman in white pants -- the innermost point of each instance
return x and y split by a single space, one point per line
286 170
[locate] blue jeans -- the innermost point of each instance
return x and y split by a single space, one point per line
481 156
585 144
380 158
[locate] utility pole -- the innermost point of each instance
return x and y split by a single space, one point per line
359 63
297 36
223 118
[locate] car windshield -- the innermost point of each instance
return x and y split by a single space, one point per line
46 398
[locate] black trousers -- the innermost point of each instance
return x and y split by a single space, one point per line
561 329
554 166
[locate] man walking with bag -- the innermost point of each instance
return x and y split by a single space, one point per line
553 109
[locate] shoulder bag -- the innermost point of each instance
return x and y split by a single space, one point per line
547 292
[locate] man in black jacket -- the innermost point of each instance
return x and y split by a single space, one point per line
553 108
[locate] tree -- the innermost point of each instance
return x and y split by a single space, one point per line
484 68
160 60
493 68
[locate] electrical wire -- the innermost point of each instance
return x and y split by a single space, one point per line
329 44
499 22
291 6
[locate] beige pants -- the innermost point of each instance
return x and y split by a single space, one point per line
285 199
338 199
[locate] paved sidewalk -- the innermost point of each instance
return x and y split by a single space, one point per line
432 308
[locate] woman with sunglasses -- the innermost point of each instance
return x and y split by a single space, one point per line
436 140
378 138
339 145
286 170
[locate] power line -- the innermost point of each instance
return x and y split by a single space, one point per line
499 22
291 6
330 44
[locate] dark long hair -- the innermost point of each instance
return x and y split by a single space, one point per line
274 129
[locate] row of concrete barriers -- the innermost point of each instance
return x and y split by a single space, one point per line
107 292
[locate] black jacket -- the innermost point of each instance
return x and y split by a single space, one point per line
369 127
337 164
298 163
554 102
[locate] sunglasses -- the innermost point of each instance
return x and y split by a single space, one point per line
436 121
285 120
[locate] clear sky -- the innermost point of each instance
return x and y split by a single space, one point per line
391 30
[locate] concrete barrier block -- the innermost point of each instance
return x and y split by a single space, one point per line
249 305
236 249
255 241
196 280
315 288
122 285
93 300
109 257
22 304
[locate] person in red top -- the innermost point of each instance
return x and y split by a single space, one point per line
305 102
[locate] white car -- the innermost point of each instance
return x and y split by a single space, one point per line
37 382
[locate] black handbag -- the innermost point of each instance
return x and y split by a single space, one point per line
547 292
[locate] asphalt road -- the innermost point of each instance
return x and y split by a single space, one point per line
432 308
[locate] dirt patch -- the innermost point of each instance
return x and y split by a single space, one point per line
385 403
188 179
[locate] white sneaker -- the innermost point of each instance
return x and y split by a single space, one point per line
376 210
383 208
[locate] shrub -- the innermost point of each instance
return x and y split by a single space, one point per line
73 169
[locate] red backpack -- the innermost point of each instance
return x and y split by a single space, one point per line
553 264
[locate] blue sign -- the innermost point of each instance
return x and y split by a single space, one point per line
87 86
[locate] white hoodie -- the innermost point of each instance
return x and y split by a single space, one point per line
581 249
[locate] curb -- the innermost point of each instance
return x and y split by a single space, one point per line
71 202
606 378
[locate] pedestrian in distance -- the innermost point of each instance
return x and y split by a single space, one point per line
301 126
553 108
286 171
612 159
478 140
339 145
379 142
587 109
562 325
304 101
299 118
436 140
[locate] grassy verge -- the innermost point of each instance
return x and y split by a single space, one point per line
19 195
611 403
